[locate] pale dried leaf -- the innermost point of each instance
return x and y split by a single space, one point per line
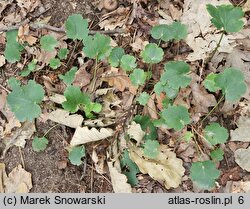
119 180
57 98
2 60
62 116
82 77
242 132
237 187
84 135
151 107
18 181
246 7
135 132
99 162
138 45
242 157
166 168
26 133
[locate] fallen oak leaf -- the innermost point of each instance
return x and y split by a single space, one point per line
18 181
85 135
62 116
119 180
165 168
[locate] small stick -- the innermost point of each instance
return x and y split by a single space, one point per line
59 30
4 88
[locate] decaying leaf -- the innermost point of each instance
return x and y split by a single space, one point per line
62 116
84 135
246 7
135 132
18 181
165 168
242 132
57 98
99 162
119 180
242 157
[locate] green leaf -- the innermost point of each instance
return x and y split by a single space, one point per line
152 54
54 63
76 27
97 47
115 56
68 78
74 97
30 68
216 134
76 154
151 148
143 98
188 136
138 77
176 117
217 154
227 17
210 84
92 107
204 174
13 48
39 144
231 81
147 126
24 100
175 31
176 74
162 32
128 62
48 43
179 31
129 168
62 53
162 86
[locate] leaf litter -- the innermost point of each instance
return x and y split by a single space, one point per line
201 39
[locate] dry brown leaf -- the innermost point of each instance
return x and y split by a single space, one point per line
120 80
24 36
99 162
202 100
85 135
2 60
62 116
135 132
82 77
166 168
119 180
151 107
18 181
242 157
28 5
138 45
175 12
242 132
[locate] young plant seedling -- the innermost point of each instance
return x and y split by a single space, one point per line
226 18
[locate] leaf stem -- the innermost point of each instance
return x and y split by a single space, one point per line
216 48
50 129
220 100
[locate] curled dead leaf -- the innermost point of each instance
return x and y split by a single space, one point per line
135 132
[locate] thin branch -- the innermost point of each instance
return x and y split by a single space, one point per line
36 26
